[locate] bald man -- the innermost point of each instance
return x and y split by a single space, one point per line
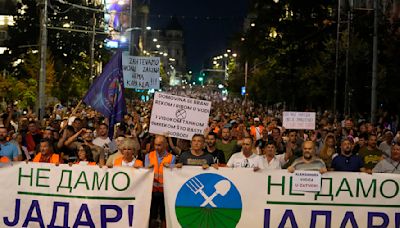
157 159
308 161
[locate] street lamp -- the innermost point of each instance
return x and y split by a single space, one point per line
201 80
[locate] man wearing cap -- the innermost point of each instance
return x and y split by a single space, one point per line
256 129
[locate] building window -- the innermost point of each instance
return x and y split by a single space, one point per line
3 35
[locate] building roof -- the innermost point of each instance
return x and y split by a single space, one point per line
174 25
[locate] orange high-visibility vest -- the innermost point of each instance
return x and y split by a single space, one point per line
4 159
216 130
253 131
158 170
118 162
54 159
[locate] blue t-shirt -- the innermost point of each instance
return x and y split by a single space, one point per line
9 150
350 164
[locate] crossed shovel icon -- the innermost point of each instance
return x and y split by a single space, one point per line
222 187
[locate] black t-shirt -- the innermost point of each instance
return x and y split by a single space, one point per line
218 155
187 158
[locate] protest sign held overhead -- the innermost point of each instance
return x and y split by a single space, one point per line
182 117
299 120
141 72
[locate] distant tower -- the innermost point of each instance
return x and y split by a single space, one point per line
175 44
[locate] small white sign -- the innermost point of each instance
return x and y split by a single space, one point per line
182 117
299 120
306 181
141 72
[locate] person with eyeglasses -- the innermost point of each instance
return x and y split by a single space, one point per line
390 165
347 161
246 158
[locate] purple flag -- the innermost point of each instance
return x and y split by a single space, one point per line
106 94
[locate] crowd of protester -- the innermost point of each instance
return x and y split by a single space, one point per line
239 134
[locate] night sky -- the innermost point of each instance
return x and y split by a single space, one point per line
204 37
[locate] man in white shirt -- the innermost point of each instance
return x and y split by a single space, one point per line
270 159
386 146
102 136
246 158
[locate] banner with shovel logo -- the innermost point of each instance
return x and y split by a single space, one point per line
208 200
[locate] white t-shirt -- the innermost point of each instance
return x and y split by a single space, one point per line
385 147
101 142
238 160
83 163
128 164
276 163
258 133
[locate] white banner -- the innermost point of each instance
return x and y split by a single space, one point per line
141 72
45 195
243 198
182 117
299 120
306 181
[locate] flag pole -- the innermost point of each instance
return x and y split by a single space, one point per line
76 108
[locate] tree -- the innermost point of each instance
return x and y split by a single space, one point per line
284 51
25 88
70 50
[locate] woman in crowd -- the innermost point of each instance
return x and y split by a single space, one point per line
130 151
85 156
328 150
24 151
